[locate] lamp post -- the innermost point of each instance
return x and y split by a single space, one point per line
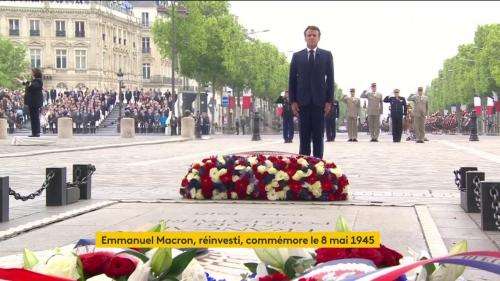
181 10
120 97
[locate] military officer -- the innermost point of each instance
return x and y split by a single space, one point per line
375 109
353 108
398 110
420 111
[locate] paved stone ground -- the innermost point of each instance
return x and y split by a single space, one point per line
394 175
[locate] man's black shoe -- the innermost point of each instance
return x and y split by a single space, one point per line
419 141
34 136
355 140
350 140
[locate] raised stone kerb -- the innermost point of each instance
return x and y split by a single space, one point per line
65 128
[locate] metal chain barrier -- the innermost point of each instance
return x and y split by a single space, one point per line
477 193
33 195
84 179
495 205
457 180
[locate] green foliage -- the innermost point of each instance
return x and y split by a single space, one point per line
13 62
474 70
213 47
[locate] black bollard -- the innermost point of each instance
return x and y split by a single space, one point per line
461 184
490 211
470 204
4 199
256 130
473 127
56 189
79 172
197 128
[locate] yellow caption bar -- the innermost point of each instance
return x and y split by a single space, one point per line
238 239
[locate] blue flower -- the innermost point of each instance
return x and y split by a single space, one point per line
202 171
268 178
220 186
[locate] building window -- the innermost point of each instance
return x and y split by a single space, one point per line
79 29
34 28
60 28
114 39
125 42
119 40
14 27
80 59
145 45
104 37
145 19
61 59
146 71
36 58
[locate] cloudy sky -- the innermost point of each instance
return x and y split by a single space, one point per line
396 44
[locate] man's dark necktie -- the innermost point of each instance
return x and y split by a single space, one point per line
311 58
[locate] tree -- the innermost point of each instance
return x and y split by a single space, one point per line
13 62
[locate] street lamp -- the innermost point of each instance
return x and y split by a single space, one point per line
183 11
120 97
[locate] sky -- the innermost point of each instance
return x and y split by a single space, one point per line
395 44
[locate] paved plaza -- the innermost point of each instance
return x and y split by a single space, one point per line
405 190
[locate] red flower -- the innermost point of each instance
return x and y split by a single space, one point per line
185 182
391 257
196 166
275 277
290 171
343 182
312 178
226 178
120 266
241 188
94 263
370 254
308 279
329 254
326 185
207 187
295 186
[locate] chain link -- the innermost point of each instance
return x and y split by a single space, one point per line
457 180
477 192
33 195
83 180
495 205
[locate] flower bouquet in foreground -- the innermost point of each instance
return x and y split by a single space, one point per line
84 262
381 264
265 177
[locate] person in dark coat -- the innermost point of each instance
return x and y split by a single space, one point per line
287 116
331 122
33 98
398 110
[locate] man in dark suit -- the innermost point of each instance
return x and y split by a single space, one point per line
331 122
310 88
33 98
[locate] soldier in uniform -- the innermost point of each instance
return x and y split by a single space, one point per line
398 110
331 122
420 111
287 115
375 109
353 108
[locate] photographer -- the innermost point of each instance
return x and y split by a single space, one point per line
33 98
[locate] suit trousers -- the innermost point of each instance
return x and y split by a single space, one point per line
288 128
397 127
35 120
330 127
312 128
352 127
374 126
419 127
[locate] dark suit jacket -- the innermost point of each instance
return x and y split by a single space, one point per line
33 96
314 85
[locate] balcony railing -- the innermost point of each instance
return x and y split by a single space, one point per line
60 33
34 32
146 50
14 32
80 34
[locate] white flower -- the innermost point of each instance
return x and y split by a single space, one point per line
281 176
234 195
214 175
103 277
252 160
268 163
300 174
250 189
240 167
336 171
141 272
281 195
235 178
303 162
192 191
189 177
199 195
261 169
272 195
221 160
315 188
62 265
272 171
320 168
222 172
